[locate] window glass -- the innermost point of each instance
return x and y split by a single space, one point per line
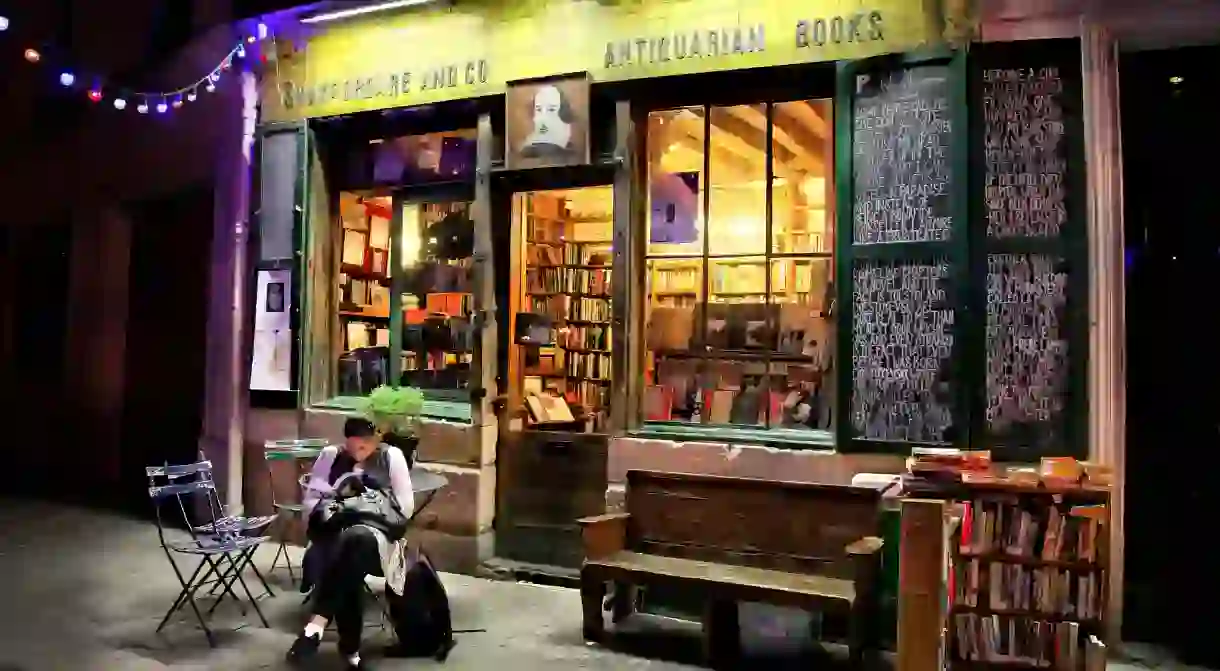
434 253
738 327
363 283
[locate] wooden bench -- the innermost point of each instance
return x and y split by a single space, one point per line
809 546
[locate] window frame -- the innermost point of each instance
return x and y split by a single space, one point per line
635 424
321 218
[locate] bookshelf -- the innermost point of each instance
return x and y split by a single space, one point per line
567 276
364 272
1027 580
437 302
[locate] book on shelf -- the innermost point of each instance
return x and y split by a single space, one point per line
1017 641
1027 580
566 279
1048 533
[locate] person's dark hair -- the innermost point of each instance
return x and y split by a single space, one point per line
356 427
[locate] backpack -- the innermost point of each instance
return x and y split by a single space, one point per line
420 615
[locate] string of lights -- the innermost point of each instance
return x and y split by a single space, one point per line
97 90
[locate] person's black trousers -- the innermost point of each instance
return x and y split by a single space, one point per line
339 595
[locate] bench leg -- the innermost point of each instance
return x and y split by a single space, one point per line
721 633
623 602
592 591
862 640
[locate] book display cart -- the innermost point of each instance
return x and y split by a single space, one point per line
1027 577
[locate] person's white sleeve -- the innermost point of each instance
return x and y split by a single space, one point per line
400 481
320 473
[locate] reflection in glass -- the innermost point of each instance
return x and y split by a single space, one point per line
738 330
432 157
801 189
737 212
438 338
675 182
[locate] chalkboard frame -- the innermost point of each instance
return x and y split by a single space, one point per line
956 249
1071 245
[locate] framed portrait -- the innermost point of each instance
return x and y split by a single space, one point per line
547 122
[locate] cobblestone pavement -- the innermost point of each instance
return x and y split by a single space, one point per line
83 591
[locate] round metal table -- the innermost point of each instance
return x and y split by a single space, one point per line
425 484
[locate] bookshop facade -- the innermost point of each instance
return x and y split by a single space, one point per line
789 242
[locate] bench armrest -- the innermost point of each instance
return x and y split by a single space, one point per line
865 546
603 535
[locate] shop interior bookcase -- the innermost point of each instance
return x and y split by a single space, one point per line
739 266
1027 573
364 272
565 276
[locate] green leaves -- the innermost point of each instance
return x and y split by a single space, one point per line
394 409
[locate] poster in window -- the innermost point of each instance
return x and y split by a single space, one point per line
675 207
271 360
547 122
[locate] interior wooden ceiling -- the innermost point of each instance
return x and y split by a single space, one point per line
802 136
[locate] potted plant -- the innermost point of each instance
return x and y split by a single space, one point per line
395 411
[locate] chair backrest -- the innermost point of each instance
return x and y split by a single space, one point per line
290 450
185 485
787 526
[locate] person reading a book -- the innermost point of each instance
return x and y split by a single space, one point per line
335 567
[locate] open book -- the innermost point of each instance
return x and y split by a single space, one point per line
348 483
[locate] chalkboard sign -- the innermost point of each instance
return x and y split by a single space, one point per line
1025 152
902 159
902 343
1028 207
1027 350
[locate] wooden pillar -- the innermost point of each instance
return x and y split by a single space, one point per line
630 202
921 580
483 364
1107 350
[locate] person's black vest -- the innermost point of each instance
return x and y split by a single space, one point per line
376 467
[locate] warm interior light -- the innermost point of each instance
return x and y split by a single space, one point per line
410 245
1176 80
368 9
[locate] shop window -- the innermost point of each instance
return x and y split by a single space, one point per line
364 284
740 266
560 290
435 249
397 306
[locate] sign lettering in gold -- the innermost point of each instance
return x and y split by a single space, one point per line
475 48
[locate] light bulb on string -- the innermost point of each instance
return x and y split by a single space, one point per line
191 96
226 64
67 78
142 108
4 23
32 55
120 104
162 107
95 95
177 102
241 51
252 39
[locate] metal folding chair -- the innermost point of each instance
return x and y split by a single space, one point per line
219 544
245 526
294 451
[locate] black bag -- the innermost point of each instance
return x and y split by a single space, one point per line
420 615
372 507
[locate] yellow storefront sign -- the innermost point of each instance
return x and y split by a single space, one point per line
475 47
